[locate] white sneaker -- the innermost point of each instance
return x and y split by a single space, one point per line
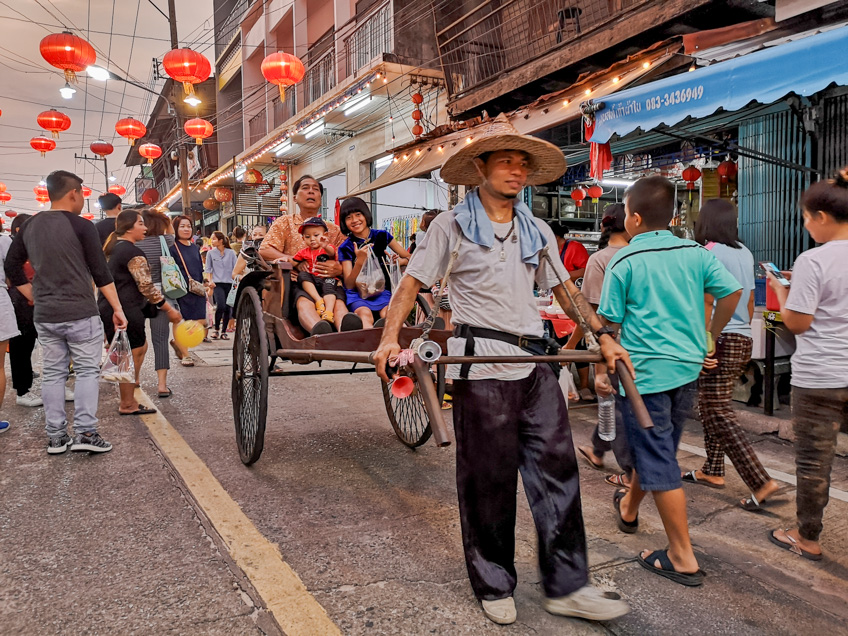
29 399
69 394
500 611
590 603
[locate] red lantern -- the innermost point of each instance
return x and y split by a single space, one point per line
223 195
283 70
42 198
417 115
417 130
595 192
40 191
5 197
2 187
86 192
130 128
252 176
67 52
417 98
118 189
188 67
284 175
727 170
42 145
198 128
211 204
10 213
150 196
690 176
578 194
150 152
101 148
88 217
54 121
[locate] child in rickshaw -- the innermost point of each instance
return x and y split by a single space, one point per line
323 291
355 220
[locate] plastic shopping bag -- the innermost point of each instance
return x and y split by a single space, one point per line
370 281
118 365
393 267
231 297
566 383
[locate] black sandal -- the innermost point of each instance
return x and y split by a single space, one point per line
628 527
666 569
691 478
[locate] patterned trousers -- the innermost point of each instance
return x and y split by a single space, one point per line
722 433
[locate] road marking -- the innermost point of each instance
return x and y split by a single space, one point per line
295 609
841 495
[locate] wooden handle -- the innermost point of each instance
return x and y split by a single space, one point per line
636 402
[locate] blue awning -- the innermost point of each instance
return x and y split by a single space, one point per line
804 67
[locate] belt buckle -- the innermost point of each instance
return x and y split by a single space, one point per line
522 342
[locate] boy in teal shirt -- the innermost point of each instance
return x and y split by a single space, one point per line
654 288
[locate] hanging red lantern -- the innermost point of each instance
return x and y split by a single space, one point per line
88 217
150 152
595 192
252 176
42 198
578 194
67 52
284 175
118 189
417 130
42 145
40 191
188 67
727 170
86 192
417 115
2 187
101 148
130 128
417 98
211 204
5 197
54 121
10 213
223 195
690 176
283 70
150 196
198 128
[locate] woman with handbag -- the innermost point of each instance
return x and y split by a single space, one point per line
220 261
156 245
139 297
187 256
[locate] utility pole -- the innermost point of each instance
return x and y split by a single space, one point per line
183 161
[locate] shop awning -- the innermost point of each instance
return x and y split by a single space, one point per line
803 67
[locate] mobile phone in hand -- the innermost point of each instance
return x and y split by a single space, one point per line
772 269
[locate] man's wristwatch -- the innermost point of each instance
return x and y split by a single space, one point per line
606 330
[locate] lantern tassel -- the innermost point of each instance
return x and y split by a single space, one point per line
199 141
188 87
70 76
55 134
282 93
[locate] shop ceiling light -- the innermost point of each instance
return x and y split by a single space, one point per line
314 129
98 73
67 91
282 148
240 175
382 162
192 100
623 183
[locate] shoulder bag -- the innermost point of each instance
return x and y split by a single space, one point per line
194 286
173 283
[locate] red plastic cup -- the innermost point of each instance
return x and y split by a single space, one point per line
402 387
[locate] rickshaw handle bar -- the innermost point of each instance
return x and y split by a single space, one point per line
363 357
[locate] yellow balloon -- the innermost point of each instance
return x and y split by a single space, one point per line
189 333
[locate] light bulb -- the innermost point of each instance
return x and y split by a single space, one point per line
67 91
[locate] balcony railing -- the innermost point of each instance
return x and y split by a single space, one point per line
257 127
478 45
283 111
320 77
373 36
227 30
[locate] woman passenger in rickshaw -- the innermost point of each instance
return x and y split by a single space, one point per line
355 220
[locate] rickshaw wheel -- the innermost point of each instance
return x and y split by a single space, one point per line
408 416
250 376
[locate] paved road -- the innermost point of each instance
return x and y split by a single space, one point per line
112 544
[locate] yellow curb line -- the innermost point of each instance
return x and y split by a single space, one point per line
285 595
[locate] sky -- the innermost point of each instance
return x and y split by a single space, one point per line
127 35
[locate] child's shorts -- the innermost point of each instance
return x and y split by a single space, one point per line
325 286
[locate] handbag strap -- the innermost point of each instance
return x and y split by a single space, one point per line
180 252
165 252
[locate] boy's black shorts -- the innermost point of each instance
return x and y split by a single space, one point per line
325 286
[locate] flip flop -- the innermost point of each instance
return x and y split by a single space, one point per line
586 456
617 480
141 410
691 478
793 546
627 527
187 362
165 394
666 569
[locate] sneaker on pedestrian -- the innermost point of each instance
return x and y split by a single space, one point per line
69 394
590 603
500 611
29 399
91 442
58 445
4 426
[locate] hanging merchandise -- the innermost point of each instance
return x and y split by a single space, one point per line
188 67
150 152
198 128
130 128
101 148
600 155
283 70
68 53
42 145
402 228
54 121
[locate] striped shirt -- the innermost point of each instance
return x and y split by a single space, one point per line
152 248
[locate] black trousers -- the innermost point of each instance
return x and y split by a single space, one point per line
20 358
503 427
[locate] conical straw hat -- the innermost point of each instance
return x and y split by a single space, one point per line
547 163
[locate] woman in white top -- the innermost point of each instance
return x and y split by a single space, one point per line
815 309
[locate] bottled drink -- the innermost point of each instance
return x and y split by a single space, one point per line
606 417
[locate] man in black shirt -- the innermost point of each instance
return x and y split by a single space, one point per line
111 206
65 252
